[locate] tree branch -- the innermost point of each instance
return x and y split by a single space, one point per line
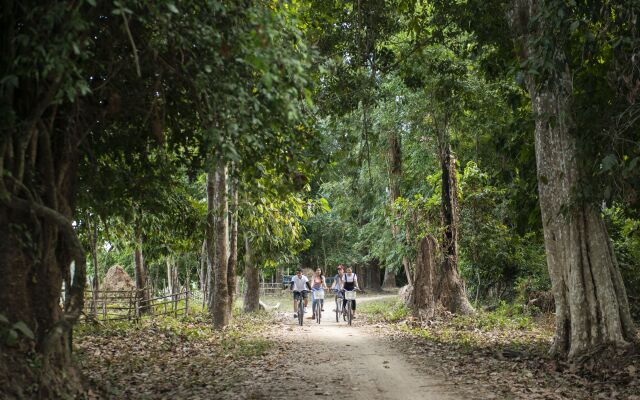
133 44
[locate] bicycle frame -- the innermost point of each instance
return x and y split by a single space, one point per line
318 298
300 308
338 305
350 296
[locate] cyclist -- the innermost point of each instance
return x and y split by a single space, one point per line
318 283
350 282
338 281
299 284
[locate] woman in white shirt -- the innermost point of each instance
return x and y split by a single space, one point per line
318 282
350 282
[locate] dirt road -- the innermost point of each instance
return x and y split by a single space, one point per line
351 363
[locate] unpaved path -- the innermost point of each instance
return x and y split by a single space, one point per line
351 361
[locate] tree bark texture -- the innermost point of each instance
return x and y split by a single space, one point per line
202 275
452 294
95 284
141 277
374 275
233 244
591 301
39 157
210 240
173 281
431 290
363 276
395 177
426 274
592 309
221 310
252 279
389 281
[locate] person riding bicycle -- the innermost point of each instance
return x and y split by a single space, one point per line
350 282
338 280
318 283
299 284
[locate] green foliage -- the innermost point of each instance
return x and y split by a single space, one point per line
625 234
386 310
493 255
506 316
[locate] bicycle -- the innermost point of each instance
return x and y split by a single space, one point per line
300 308
318 297
338 304
350 296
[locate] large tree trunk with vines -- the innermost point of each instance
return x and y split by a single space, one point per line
592 310
252 279
591 302
38 246
451 292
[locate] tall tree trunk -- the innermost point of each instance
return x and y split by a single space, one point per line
374 275
220 310
363 276
233 244
210 240
173 282
141 277
252 279
39 157
451 291
424 291
395 177
389 281
202 275
95 284
280 275
591 303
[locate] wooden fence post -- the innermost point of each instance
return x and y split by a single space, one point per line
186 302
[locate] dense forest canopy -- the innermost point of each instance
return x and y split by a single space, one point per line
478 151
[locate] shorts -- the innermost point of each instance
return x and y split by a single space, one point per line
296 295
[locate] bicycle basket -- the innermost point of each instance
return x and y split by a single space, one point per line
350 294
318 294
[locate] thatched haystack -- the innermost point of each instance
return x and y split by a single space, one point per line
117 279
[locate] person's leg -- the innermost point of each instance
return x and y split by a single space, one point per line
295 303
353 306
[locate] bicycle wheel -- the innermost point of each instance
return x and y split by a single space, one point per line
338 309
318 311
349 312
300 311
